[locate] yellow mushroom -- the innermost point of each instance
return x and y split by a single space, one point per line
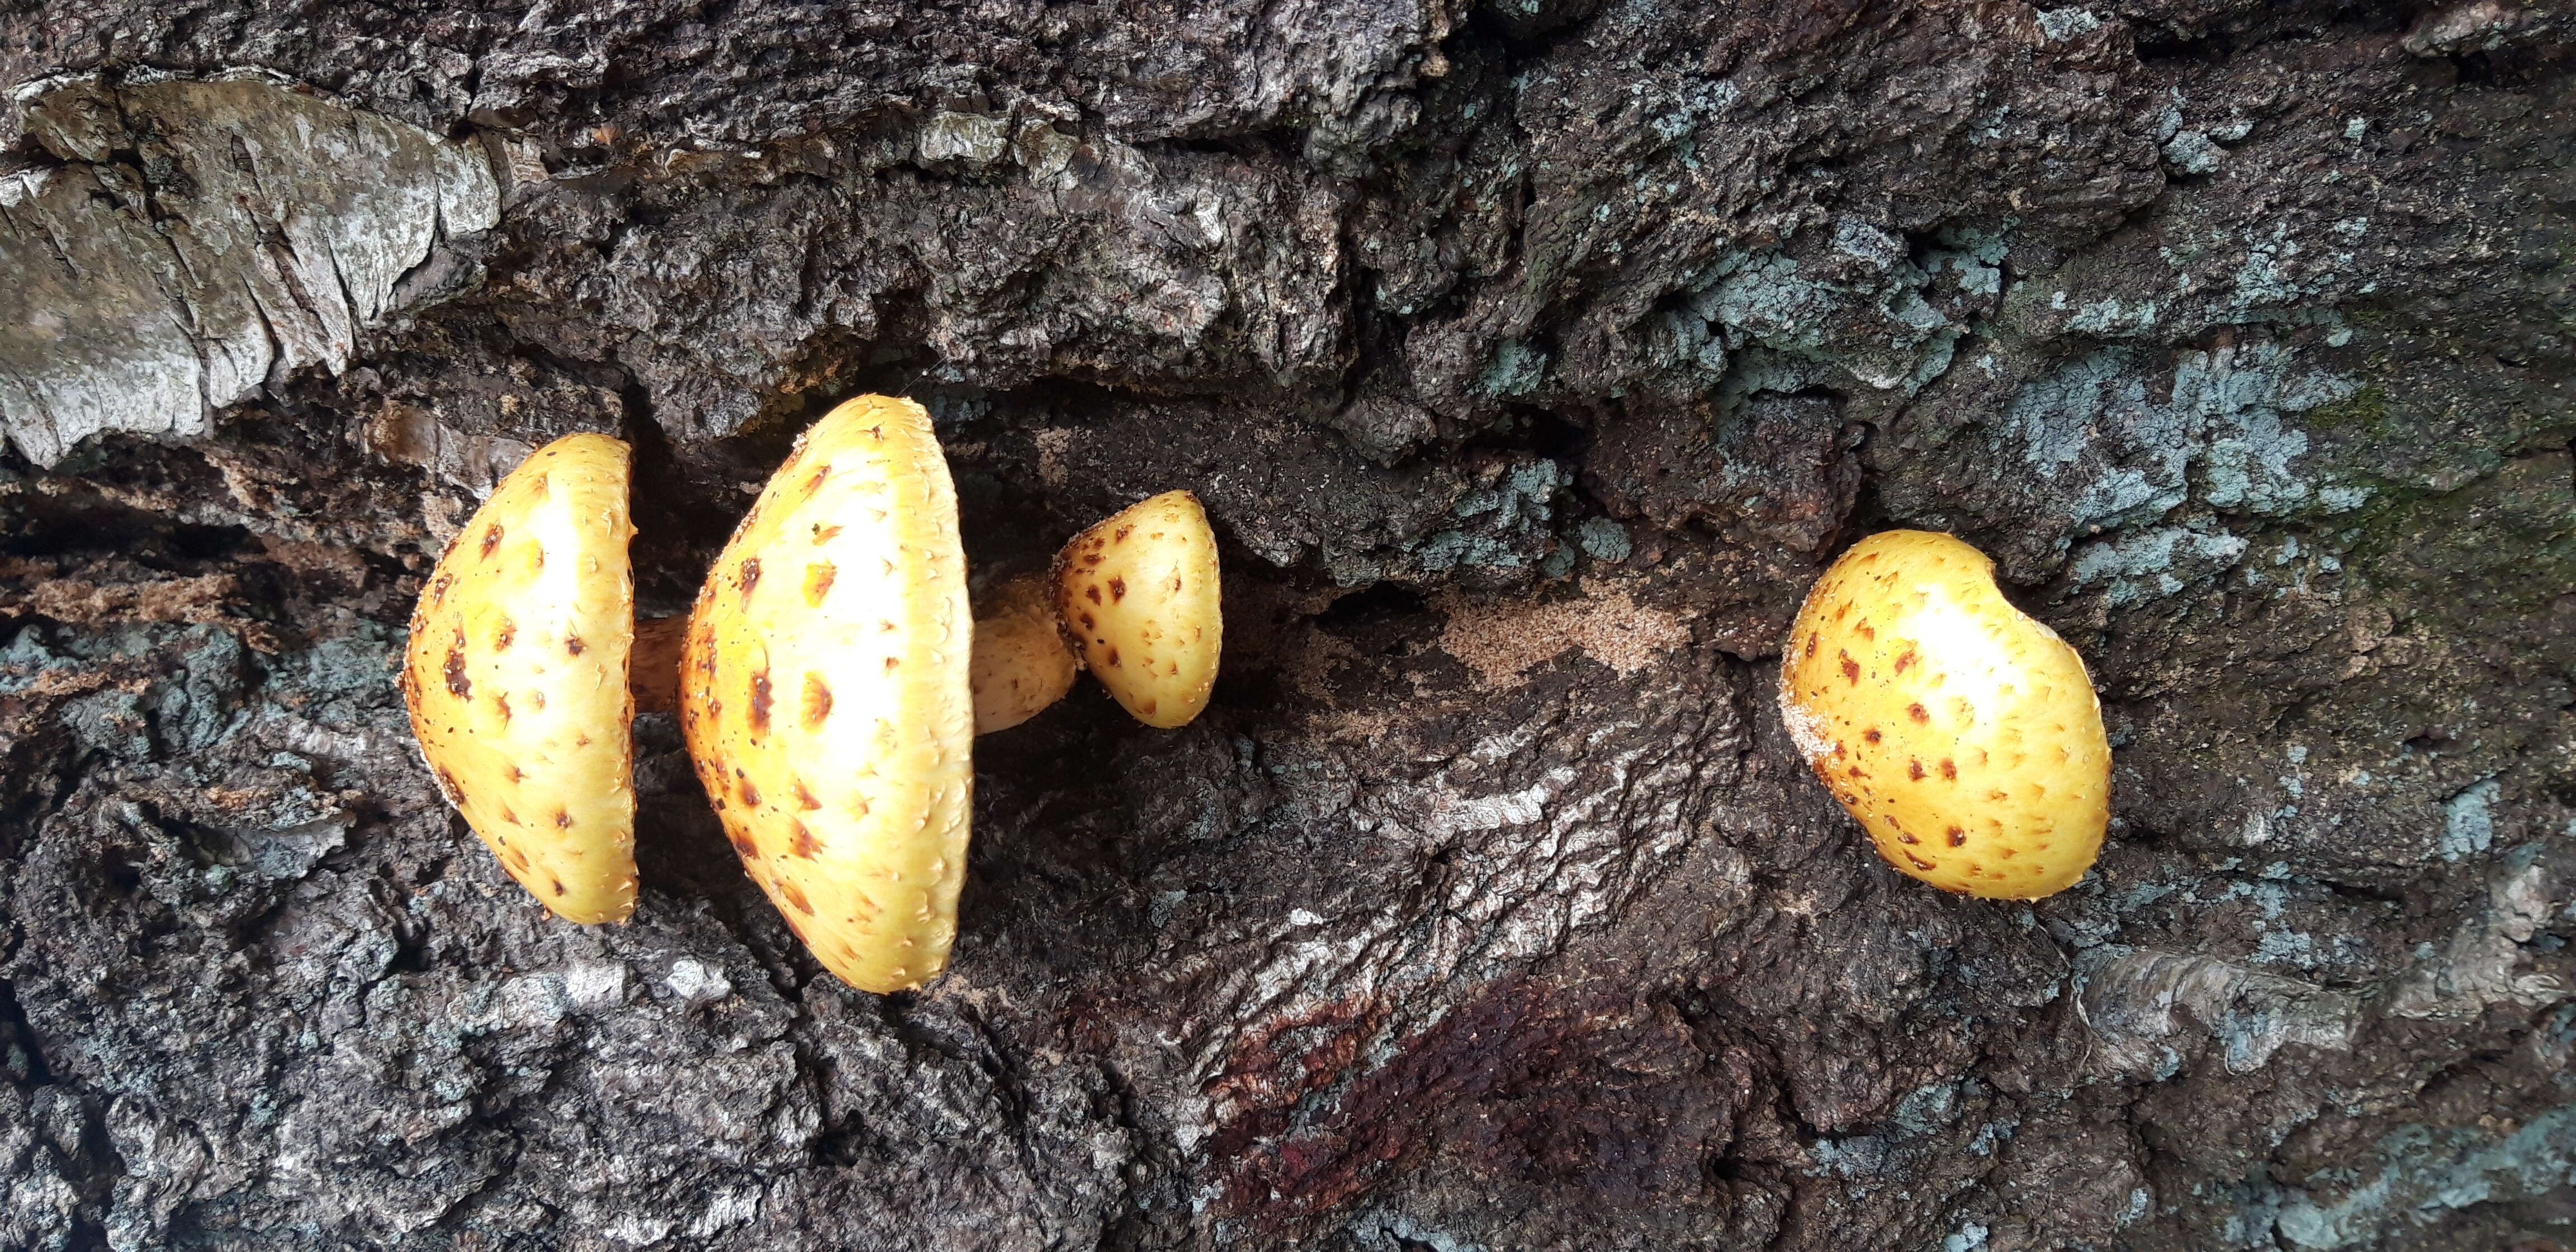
1962 734
1021 662
1139 594
825 694
516 677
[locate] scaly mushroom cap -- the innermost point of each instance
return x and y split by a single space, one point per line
824 694
1964 735
516 677
1021 662
1139 594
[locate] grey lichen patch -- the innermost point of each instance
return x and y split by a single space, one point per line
2067 23
1493 527
2123 442
200 239
1500 526
1517 370
2192 152
1855 303
1603 540
2468 821
2152 563
2426 1172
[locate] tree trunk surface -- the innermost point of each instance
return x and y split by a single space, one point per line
1532 358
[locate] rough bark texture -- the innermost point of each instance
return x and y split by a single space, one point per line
1531 358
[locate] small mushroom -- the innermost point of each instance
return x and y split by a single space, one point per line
516 677
1962 734
826 698
1139 595
1021 662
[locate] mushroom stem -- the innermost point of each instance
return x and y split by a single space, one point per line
1021 664
654 667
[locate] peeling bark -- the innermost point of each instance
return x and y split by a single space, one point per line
198 240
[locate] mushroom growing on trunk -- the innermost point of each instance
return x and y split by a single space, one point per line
826 697
1139 594
517 677
1963 735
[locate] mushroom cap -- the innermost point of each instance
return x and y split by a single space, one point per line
1021 662
1963 734
515 676
1139 593
825 696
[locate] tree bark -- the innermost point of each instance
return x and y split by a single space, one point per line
1531 358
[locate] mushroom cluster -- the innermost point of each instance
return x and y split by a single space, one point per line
830 684
832 677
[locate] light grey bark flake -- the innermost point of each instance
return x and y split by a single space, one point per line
253 231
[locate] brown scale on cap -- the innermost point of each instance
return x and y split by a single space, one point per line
759 710
458 684
816 706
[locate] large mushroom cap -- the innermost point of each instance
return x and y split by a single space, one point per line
825 695
1139 594
1962 734
516 677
